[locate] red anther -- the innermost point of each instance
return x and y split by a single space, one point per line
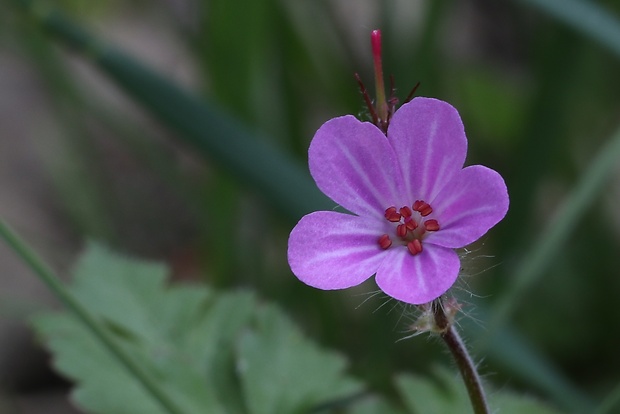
411 225
431 225
426 211
414 247
405 211
385 242
392 215
401 230
422 207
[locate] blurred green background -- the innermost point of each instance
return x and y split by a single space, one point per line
94 145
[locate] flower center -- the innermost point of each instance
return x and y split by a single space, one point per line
411 226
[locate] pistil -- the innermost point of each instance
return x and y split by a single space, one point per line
382 106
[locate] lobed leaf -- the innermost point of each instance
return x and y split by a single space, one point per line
211 352
284 373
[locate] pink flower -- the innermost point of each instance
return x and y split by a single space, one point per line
413 203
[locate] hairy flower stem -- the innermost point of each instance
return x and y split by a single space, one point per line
463 360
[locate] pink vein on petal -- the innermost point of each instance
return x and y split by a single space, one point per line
353 163
330 250
473 202
429 140
421 278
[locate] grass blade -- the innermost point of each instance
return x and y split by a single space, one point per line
219 137
585 16
545 250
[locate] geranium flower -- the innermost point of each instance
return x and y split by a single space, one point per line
412 201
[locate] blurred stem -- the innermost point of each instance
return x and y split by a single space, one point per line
47 276
546 248
610 402
466 365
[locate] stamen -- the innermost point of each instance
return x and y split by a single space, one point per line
401 230
385 242
410 228
411 225
405 211
392 215
426 211
414 247
422 207
431 225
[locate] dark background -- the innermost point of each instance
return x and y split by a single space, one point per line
539 98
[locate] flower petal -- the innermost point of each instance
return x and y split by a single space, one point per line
353 163
429 140
330 250
467 207
421 278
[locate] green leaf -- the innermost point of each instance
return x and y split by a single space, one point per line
283 373
211 352
447 394
154 326
511 403
424 396
373 405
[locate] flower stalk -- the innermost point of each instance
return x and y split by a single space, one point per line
466 365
